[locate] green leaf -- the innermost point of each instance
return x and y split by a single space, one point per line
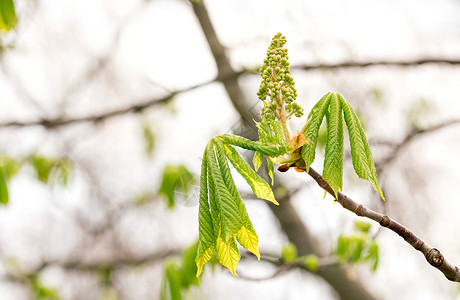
268 150
333 160
246 236
363 162
206 228
289 252
315 118
260 188
175 178
229 213
257 160
8 16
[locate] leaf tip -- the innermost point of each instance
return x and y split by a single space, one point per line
381 194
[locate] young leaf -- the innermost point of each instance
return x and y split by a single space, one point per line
363 163
246 236
260 188
265 149
228 254
227 208
225 212
206 229
333 158
311 135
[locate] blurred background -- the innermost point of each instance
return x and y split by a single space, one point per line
106 107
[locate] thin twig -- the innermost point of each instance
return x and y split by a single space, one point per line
432 255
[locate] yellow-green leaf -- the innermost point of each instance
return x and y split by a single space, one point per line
228 254
259 186
249 240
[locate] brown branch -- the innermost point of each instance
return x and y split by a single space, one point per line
432 255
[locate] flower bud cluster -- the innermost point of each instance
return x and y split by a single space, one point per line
277 82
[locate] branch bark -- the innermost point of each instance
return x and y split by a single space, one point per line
433 256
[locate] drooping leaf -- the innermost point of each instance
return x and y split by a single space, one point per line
8 16
229 213
333 159
246 236
228 254
363 162
258 185
206 240
225 213
311 135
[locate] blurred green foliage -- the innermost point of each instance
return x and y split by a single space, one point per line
149 139
358 247
289 252
8 168
419 112
179 276
175 178
47 168
39 291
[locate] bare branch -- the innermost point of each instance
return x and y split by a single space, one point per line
432 255
412 135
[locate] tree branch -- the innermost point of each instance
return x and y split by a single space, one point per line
432 255
413 134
